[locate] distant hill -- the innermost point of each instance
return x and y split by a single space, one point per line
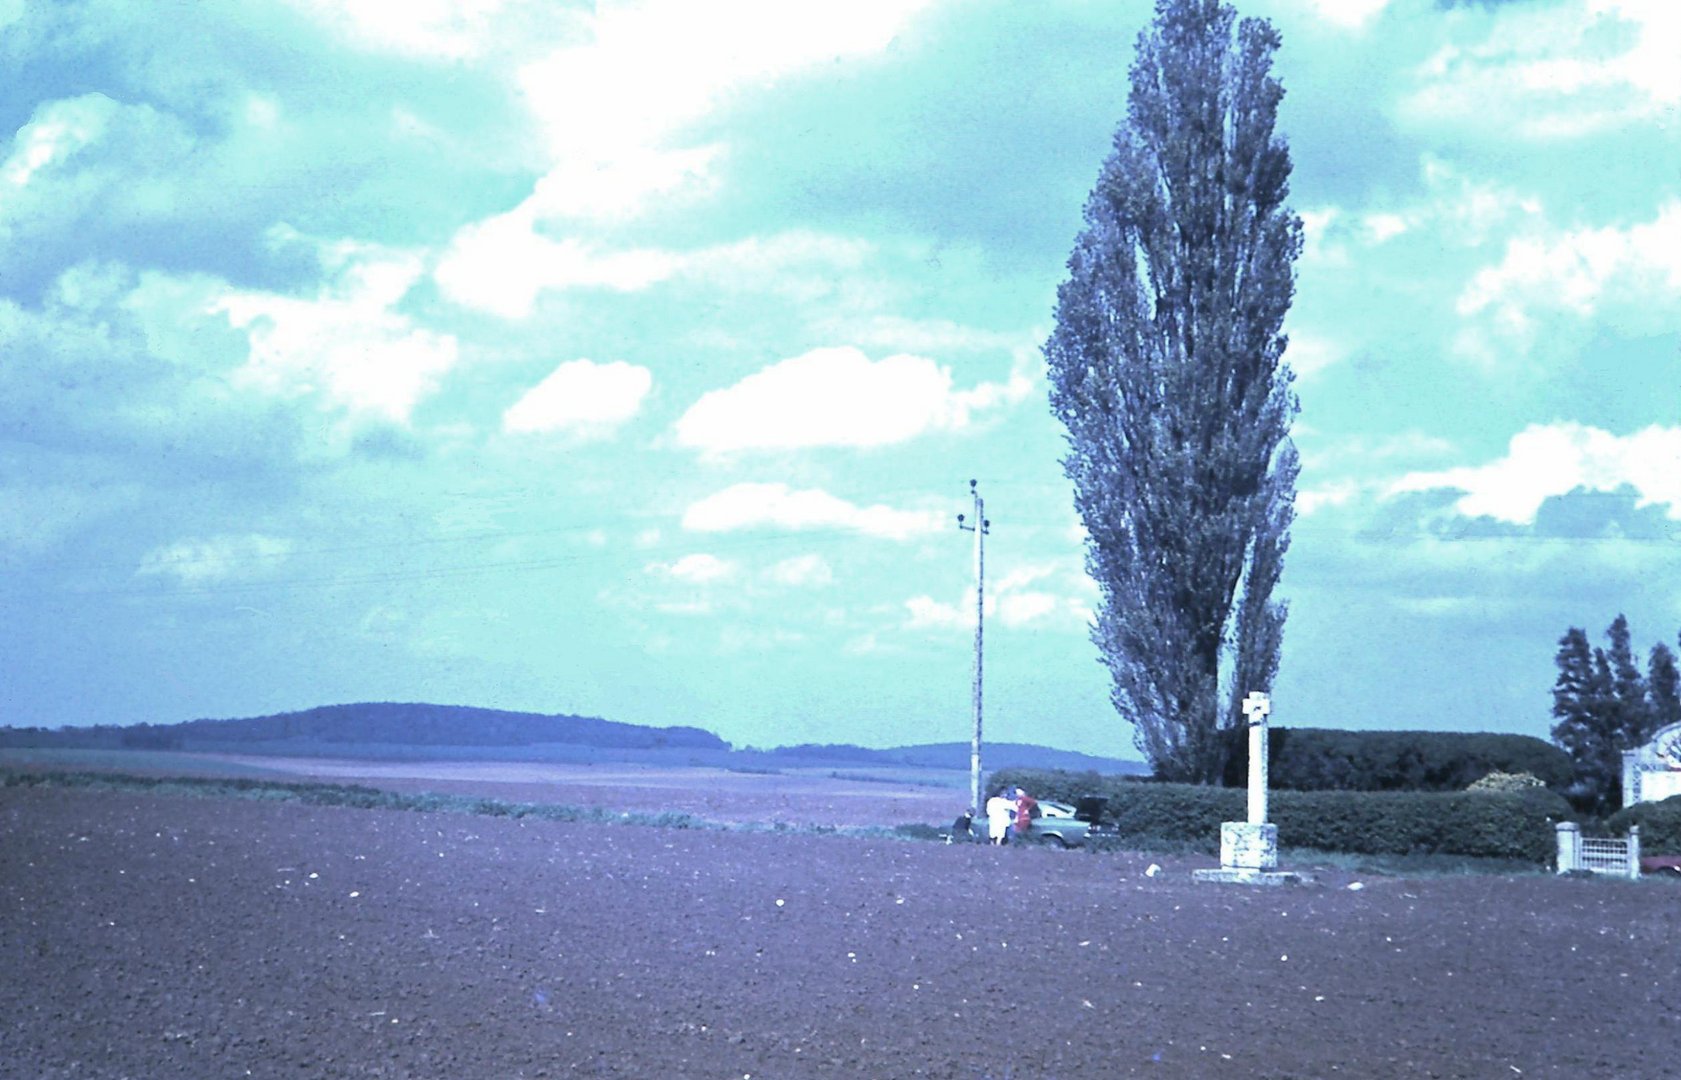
404 730
384 723
956 756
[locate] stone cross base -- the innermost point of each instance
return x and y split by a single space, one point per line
1252 877
1249 856
1247 846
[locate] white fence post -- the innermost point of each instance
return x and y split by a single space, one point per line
1569 846
1634 852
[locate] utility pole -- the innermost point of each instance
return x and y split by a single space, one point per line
980 529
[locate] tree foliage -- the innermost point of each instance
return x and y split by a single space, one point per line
1603 706
1166 368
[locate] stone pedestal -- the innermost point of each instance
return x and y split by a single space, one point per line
1245 845
1249 856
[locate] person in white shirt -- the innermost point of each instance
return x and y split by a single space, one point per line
1000 811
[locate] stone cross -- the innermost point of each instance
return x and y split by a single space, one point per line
1256 707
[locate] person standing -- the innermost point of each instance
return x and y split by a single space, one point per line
999 811
1024 809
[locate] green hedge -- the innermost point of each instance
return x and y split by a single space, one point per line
1326 759
1660 825
1515 825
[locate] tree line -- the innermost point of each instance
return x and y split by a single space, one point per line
1604 704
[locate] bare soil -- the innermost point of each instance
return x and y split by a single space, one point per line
817 796
155 936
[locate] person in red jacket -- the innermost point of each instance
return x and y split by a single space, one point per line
1025 806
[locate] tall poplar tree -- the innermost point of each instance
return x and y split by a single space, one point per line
1585 706
1663 688
1167 369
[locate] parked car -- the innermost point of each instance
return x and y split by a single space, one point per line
1068 826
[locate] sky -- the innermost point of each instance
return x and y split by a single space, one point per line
633 359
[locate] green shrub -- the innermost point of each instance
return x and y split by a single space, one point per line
1500 825
1326 759
1660 825
1503 781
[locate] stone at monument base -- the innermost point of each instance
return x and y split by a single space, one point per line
1245 845
1240 876
1249 856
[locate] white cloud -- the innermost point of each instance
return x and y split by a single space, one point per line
1026 608
583 397
839 397
1311 500
214 559
1321 229
58 130
1548 71
1383 225
928 613
1009 600
1545 460
747 506
648 69
87 162
445 29
697 569
502 264
1310 353
348 345
801 571
1348 14
796 263
611 106
1023 576
1577 271
617 188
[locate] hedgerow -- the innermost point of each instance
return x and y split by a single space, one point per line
1326 759
1503 825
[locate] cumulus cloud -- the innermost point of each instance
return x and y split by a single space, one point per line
79 157
839 397
648 69
776 505
1578 271
611 104
215 559
1550 71
1012 600
925 612
581 397
348 345
502 264
1548 460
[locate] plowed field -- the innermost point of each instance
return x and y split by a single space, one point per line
155 936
